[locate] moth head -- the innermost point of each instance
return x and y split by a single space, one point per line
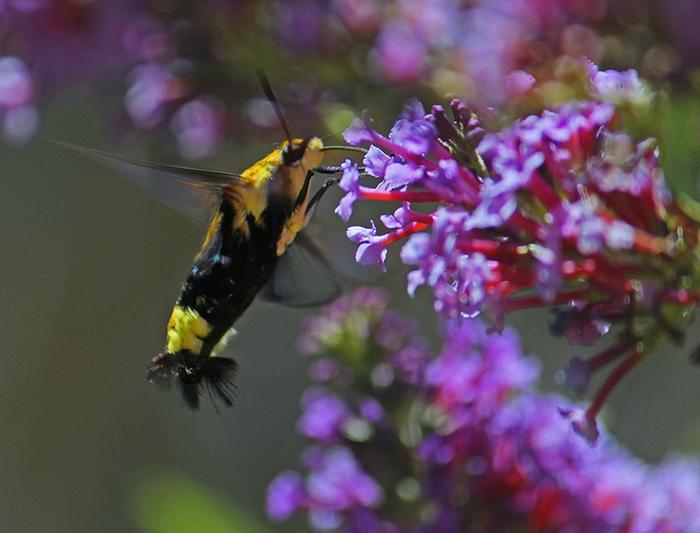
302 152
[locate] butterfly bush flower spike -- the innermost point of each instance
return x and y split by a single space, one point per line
560 209
404 440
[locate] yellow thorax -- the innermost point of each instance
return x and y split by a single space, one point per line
260 172
289 180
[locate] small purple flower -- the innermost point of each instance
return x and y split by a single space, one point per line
399 218
617 87
493 209
371 410
322 369
146 39
358 132
376 161
285 496
449 179
324 415
324 519
413 111
350 183
515 170
415 131
549 258
372 247
360 15
676 484
582 423
339 483
627 168
399 175
579 222
409 363
474 273
416 249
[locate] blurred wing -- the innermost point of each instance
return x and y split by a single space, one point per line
189 191
302 276
315 269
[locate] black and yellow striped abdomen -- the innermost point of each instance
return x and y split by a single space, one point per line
230 270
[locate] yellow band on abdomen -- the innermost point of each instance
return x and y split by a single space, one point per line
186 330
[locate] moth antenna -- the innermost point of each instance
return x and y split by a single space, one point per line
267 89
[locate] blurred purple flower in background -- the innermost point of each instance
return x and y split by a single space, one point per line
18 115
199 126
151 88
186 62
457 441
83 44
481 43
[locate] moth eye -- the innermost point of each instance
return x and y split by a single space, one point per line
292 154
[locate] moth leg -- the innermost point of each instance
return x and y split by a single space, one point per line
319 194
304 191
316 198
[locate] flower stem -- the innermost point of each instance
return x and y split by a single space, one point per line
402 233
606 357
367 193
611 382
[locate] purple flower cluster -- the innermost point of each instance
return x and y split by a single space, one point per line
559 208
402 440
